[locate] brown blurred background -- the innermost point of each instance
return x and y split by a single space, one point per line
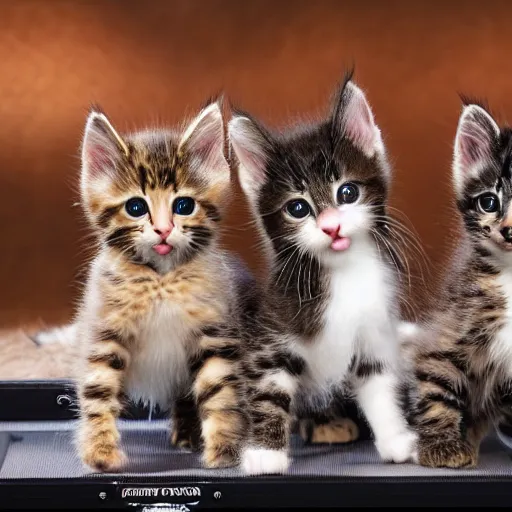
155 61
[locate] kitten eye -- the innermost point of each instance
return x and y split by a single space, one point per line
348 193
298 208
489 203
136 207
183 206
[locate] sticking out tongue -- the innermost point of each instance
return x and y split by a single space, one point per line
162 249
340 243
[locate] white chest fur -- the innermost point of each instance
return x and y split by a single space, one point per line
501 350
159 365
358 318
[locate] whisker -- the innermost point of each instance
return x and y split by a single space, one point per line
390 252
411 241
286 263
309 275
297 262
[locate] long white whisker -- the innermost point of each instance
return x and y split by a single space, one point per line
286 263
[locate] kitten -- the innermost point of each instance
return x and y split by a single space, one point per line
319 196
463 356
159 319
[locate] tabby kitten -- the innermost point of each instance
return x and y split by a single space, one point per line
329 320
159 320
463 356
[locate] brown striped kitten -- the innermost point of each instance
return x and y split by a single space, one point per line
463 356
159 319
330 316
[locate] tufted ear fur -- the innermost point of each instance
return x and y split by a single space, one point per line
102 146
250 145
102 151
353 120
202 144
477 136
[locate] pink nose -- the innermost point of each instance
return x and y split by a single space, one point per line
163 231
329 222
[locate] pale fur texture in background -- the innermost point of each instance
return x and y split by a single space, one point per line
21 358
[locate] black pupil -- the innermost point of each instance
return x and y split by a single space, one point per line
347 194
136 207
184 206
489 203
298 209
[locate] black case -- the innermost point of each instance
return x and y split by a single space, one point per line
39 468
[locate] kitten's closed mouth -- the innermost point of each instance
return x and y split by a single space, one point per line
340 243
162 248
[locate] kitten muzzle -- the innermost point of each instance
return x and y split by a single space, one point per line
340 243
162 249
329 222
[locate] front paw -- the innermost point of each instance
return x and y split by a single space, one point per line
216 457
446 453
259 461
398 448
106 458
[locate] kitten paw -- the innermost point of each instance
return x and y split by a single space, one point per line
399 448
107 459
447 453
259 461
216 458
340 430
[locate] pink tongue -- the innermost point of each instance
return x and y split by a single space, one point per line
162 249
340 244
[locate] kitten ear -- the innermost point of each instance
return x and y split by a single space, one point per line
203 145
102 147
249 143
353 119
477 134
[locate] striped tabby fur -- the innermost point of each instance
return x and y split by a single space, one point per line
161 327
463 356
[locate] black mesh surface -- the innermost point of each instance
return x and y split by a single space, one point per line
46 450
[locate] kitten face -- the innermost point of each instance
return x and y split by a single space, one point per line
156 197
482 180
321 189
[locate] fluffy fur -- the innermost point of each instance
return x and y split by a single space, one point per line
329 318
463 353
22 357
160 318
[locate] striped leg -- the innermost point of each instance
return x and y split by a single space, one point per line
99 395
186 431
219 393
273 384
441 414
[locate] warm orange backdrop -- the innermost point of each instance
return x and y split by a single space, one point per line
148 61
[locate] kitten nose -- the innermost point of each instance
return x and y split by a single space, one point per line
506 233
163 231
332 232
329 222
